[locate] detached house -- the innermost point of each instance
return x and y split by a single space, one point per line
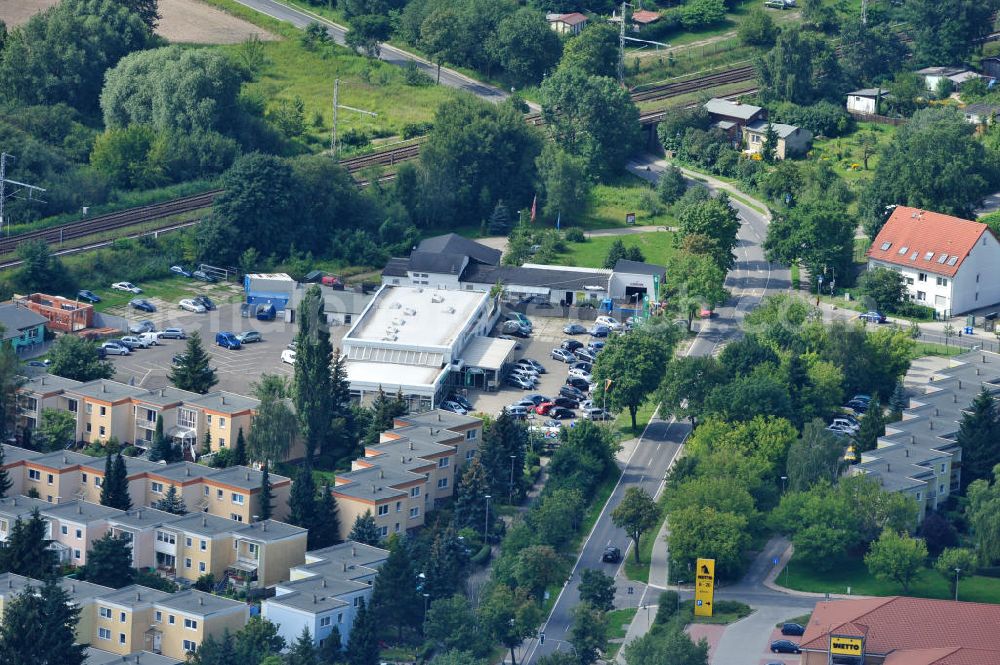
567 24
792 140
948 263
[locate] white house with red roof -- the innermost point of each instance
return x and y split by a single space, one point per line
567 24
948 263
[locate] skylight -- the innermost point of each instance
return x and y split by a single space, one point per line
928 256
953 260
942 258
903 249
886 245
913 256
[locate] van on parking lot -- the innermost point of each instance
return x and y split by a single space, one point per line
227 340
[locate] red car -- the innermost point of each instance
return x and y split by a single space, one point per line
543 408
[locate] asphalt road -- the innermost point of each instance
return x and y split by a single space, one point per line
390 54
751 279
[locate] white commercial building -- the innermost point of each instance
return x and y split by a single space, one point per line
948 263
413 339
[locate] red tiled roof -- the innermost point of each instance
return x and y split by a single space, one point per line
899 623
645 16
918 239
572 19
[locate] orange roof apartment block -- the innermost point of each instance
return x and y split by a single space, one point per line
64 315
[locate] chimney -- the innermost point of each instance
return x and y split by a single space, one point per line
960 384
163 392
138 596
381 474
930 424
248 475
411 445
954 398
79 509
345 566
324 582
907 452
936 413
430 430
315 600
104 388
373 487
223 399
888 467
204 521
354 550
187 471
402 459
43 380
263 525
201 601
65 459
72 588
439 417
977 371
913 439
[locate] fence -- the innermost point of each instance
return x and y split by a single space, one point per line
879 119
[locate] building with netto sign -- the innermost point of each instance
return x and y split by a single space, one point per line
901 631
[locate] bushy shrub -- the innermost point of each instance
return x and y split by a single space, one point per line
575 235
668 607
824 118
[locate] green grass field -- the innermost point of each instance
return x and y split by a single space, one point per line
854 575
845 155
618 623
727 612
609 202
639 572
656 246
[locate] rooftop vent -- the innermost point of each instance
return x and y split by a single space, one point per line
437 297
448 310
395 305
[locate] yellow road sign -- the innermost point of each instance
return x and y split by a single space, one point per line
846 646
704 587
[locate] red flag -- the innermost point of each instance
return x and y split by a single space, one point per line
534 207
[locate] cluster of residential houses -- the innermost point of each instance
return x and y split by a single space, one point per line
397 481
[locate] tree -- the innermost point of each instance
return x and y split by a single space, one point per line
162 448
556 517
946 31
868 142
26 550
171 502
327 529
716 219
365 530
671 185
697 282
40 271
440 37
817 233
536 567
266 495
193 372
983 514
77 358
588 633
594 51
899 401
108 490
470 496
769 149
801 68
954 564
938 533
273 430
303 652
311 385
757 29
637 513
240 450
452 625
671 646
302 508
698 531
565 183
510 616
39 627
367 32
597 589
502 439
5 481
933 163
525 46
872 427
631 367
362 647
118 494
330 648
813 456
883 289
56 430
109 562
394 594
616 252
978 433
215 652
869 53
687 382
257 640
444 567
896 557
590 117
499 223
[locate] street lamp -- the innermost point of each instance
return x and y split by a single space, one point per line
783 479
486 528
426 600
510 499
958 571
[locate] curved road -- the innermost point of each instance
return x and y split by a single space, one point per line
751 279
302 18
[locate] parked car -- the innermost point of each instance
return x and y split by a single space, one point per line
544 408
249 337
150 338
516 329
203 276
454 407
526 373
288 356
227 340
585 365
559 413
537 399
596 414
562 355
844 423
143 326
142 305
133 342
522 319
785 646
585 354
180 270
566 402
793 629
89 296
532 364
872 317
609 321
572 393
574 329
571 345
38 363
525 402
599 331
190 305
583 374
173 333
517 412
611 554
580 384
595 347
115 349
530 380
839 431
126 286
267 313
204 301
518 382
863 398
466 404
858 406
780 4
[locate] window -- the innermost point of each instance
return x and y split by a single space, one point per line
886 245
222 422
252 549
79 534
104 633
157 488
921 295
206 491
234 516
918 496
909 281
65 530
121 617
158 616
187 562
98 481
942 281
443 462
219 494
383 509
187 418
191 623
208 419
83 478
942 468
928 256
904 249
90 408
397 527
340 618
166 537
77 554
940 489
101 430
34 474
415 491
187 541
170 619
105 613
942 258
104 411
71 405
51 478
357 601
414 512
754 138
399 506
953 260
383 531
237 499
921 277
470 435
977 278
204 545
442 483
190 645
222 442
89 428
325 621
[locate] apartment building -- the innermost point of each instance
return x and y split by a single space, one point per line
224 414
96 656
104 409
82 594
140 527
469 426
73 526
183 620
325 592
233 492
44 391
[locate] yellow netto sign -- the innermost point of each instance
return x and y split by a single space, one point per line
846 646
704 587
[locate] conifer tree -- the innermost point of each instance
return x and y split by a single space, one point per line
108 484
872 427
470 496
330 649
365 531
362 647
303 652
343 428
119 496
302 500
898 401
194 372
161 448
394 594
312 391
39 628
109 562
240 451
171 502
26 550
327 531
5 482
266 495
979 434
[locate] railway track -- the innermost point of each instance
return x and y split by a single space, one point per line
666 90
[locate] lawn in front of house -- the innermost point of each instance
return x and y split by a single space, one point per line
656 247
608 203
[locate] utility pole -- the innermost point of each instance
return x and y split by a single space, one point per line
17 188
336 106
864 12
621 47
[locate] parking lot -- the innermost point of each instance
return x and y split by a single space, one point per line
236 370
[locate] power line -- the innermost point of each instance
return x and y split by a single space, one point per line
16 190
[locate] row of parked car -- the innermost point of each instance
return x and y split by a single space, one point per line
144 335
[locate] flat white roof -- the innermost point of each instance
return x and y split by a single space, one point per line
416 317
409 378
487 352
271 275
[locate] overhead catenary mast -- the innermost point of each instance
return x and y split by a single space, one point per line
336 106
10 189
